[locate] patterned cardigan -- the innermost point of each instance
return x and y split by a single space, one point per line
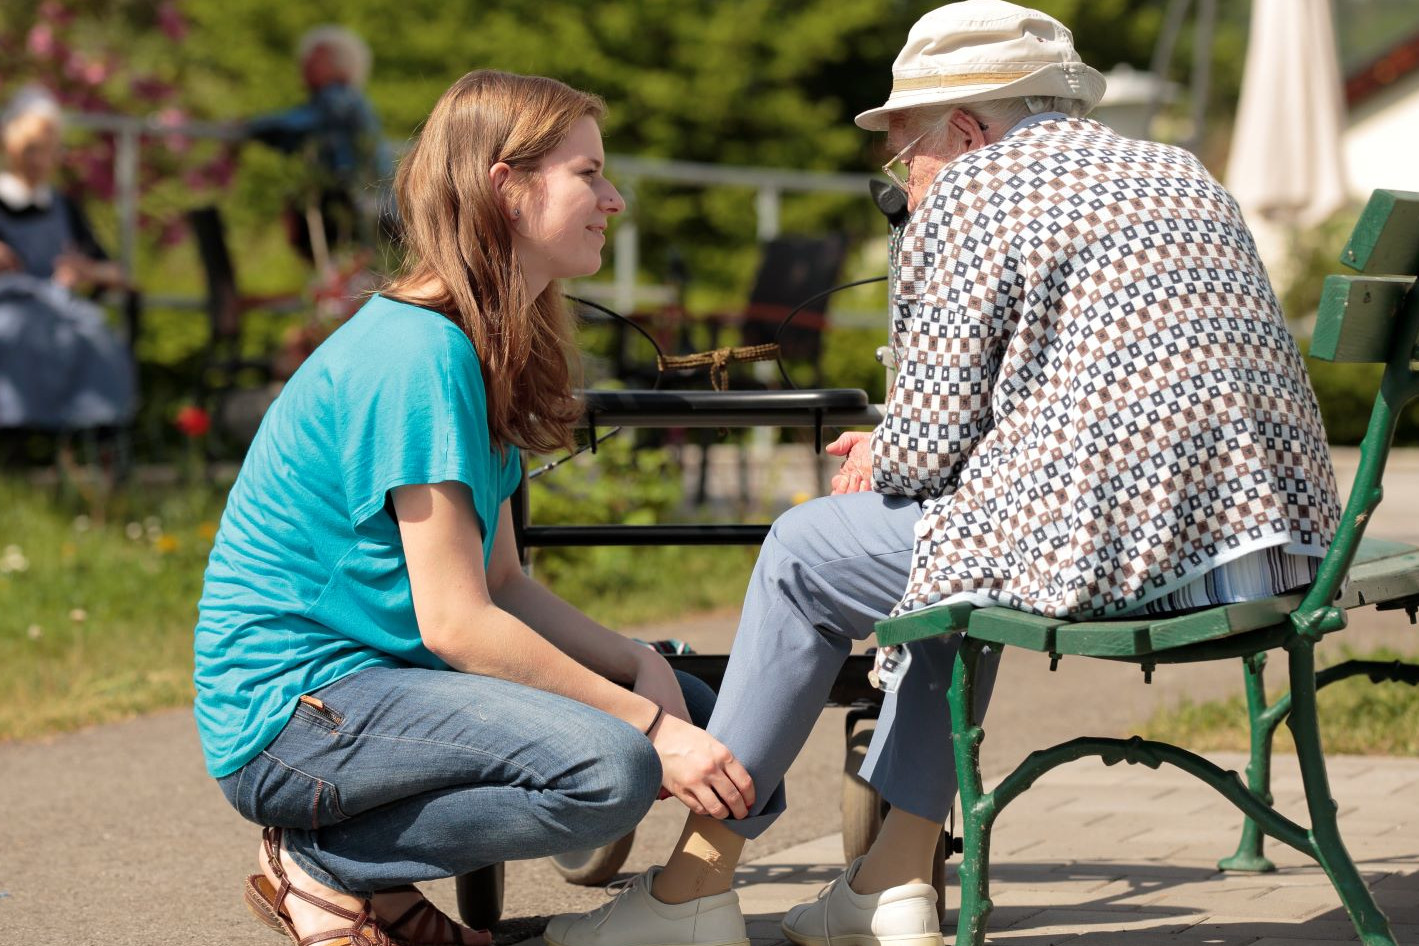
1098 400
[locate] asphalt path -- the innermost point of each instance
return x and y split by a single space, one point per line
116 836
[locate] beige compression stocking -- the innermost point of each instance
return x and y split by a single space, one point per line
702 863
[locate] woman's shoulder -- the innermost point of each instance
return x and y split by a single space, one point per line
392 330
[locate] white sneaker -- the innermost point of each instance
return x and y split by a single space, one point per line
899 916
635 918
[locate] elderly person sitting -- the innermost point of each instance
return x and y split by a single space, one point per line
61 368
1098 411
338 125
42 232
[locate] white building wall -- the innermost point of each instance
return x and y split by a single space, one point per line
1382 141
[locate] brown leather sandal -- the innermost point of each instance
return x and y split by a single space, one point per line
430 926
266 902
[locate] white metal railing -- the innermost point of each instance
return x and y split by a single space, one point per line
769 183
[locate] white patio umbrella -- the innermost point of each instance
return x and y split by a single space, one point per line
1286 167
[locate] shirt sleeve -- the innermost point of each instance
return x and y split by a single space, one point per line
285 130
949 339
420 416
511 475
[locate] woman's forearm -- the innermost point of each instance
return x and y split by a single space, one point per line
595 647
496 643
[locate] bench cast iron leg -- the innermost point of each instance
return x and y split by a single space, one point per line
977 807
1264 722
1249 856
1369 922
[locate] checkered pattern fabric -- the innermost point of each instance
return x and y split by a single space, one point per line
1097 400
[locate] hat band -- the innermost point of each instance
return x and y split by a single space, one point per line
945 81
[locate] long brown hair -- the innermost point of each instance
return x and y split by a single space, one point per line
458 241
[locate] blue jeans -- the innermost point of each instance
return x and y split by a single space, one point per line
829 570
405 775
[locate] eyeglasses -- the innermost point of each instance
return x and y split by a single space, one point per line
898 170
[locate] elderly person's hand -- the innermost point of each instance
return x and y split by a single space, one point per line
9 260
73 269
855 474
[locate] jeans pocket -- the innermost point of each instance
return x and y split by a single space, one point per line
274 793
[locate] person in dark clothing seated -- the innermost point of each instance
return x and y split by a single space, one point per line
338 129
43 233
61 367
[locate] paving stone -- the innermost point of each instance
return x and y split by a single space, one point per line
1088 858
1184 938
1331 927
1003 917
1080 892
773 899
764 931
1027 937
1078 922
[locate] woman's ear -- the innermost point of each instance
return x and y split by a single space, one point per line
499 175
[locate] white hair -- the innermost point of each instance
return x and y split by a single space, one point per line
351 54
33 100
1006 112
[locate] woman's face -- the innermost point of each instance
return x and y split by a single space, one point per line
561 228
32 149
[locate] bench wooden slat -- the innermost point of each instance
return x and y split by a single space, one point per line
1017 628
1357 318
1386 579
1385 241
1382 571
1102 639
1217 623
920 625
1372 550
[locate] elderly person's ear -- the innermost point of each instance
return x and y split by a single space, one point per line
973 132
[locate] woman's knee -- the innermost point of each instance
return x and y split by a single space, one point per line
610 794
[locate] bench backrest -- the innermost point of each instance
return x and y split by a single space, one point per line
1370 318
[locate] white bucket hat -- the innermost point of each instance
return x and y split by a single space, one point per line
977 50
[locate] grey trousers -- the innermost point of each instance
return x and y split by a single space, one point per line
828 571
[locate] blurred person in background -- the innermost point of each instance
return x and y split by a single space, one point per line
61 367
43 233
337 128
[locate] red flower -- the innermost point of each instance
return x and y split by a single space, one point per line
192 421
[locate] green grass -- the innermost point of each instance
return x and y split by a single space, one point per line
1356 717
96 614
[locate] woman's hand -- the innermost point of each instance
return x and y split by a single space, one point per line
700 771
855 474
656 681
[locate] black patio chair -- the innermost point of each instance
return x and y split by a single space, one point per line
232 381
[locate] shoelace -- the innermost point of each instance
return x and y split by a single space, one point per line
620 888
823 894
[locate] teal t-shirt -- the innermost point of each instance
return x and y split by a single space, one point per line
307 582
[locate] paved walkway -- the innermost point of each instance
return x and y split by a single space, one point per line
117 831
1122 856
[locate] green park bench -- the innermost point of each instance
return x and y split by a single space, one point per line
1368 318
